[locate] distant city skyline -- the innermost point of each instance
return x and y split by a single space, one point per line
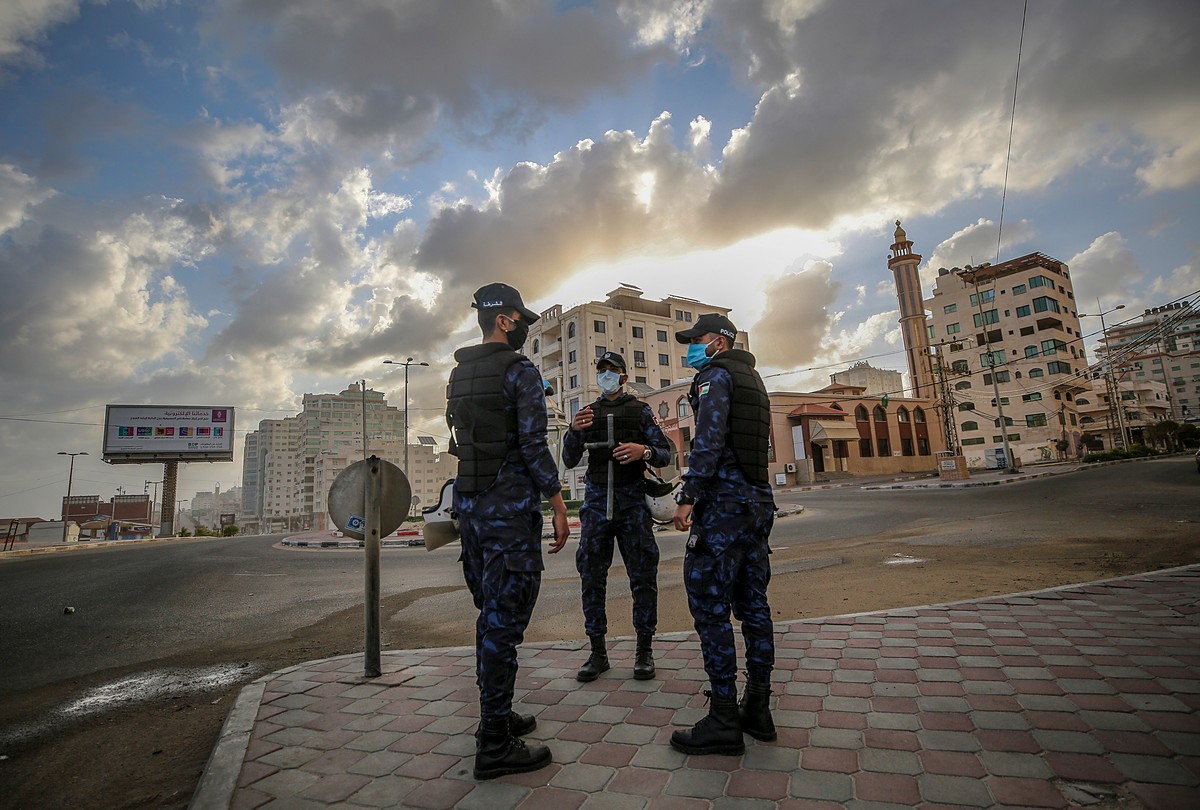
229 203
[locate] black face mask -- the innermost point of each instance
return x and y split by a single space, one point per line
516 338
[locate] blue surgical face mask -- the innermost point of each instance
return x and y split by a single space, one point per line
609 382
697 355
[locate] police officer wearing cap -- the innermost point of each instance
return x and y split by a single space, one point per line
638 442
728 509
496 410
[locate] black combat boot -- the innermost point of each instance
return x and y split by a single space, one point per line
518 725
718 733
597 662
754 712
643 664
498 752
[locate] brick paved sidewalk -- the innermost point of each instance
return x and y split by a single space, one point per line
1086 695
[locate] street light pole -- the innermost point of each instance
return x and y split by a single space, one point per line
406 363
70 480
1114 392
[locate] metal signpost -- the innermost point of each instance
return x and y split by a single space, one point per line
369 499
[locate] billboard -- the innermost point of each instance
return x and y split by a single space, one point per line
141 434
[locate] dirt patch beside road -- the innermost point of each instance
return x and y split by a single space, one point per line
151 754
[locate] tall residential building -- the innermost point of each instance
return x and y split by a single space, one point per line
564 345
1142 403
1011 327
875 382
1163 345
291 463
903 263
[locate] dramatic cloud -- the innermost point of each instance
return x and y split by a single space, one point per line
974 245
1107 270
794 325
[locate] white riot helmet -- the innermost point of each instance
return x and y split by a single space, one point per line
441 525
660 499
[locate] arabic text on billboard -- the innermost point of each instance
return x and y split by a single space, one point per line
154 432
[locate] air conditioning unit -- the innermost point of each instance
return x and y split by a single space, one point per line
789 467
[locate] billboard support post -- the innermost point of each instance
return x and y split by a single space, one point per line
167 511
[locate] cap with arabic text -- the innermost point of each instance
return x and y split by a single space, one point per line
502 296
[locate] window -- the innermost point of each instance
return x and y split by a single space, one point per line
1034 397
992 358
1036 372
919 415
970 426
601 350
598 327
880 414
962 386
1031 351
1003 401
639 359
664 360
960 367
679 314
967 442
639 333
662 335
571 329
687 317
985 297
966 406
574 383
571 355
1008 422
1057 367
906 447
989 316
1001 376
860 414
953 328
950 308
683 360
536 345
1018 290
574 408
1026 331
1035 420
1045 304
885 447
1040 281
1023 311
1073 420
864 448
663 383
683 408
902 416
1053 346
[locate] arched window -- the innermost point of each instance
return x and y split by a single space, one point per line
860 414
683 408
970 426
962 386
1036 372
1082 401
1086 420
966 406
571 329
880 414
919 415
902 414
536 344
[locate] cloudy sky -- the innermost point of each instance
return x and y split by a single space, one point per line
234 202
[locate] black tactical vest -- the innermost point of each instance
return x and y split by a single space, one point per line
750 414
627 427
480 419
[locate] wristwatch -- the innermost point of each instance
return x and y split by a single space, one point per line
646 455
684 500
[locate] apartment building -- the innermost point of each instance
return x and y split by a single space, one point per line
1008 342
1142 403
875 382
290 463
564 344
1162 345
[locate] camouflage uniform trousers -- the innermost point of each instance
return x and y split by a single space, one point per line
634 534
728 565
502 563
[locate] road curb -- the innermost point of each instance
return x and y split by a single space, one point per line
219 780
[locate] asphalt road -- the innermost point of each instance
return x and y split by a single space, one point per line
145 602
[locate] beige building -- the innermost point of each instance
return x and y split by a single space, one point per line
1163 345
839 431
875 381
1012 328
564 344
291 463
1142 403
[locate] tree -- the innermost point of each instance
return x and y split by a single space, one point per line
1163 433
229 531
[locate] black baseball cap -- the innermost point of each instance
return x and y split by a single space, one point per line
712 322
612 357
502 296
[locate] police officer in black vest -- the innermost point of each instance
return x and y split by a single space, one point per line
727 506
637 441
496 410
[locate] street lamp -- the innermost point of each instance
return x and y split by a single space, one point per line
1114 393
406 363
70 479
179 521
